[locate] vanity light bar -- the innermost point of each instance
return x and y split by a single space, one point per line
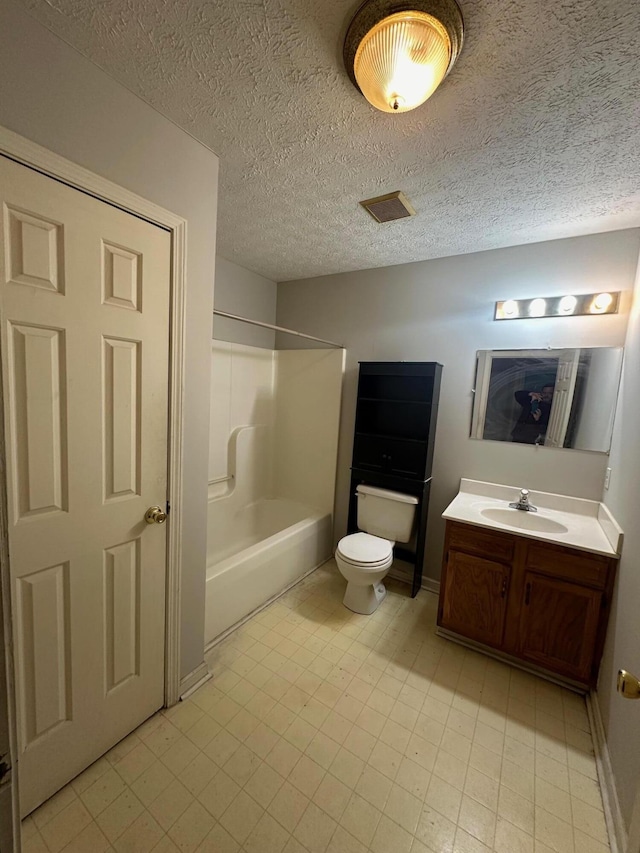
558 306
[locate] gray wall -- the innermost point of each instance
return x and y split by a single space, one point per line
442 310
622 651
50 94
247 294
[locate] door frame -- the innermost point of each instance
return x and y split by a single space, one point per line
11 833
633 841
52 165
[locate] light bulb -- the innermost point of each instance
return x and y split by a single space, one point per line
567 305
601 303
537 308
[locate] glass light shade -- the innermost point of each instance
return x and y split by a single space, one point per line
402 60
601 303
537 308
567 305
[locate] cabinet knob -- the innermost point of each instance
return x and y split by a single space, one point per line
503 591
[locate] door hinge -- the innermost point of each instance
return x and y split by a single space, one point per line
168 509
603 601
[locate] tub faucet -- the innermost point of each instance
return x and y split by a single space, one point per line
523 502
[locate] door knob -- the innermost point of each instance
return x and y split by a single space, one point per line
155 515
628 685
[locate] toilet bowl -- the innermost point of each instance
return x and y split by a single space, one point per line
365 558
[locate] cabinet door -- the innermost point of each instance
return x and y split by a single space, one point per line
389 456
406 459
475 597
558 626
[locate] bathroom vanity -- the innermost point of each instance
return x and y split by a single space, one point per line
534 587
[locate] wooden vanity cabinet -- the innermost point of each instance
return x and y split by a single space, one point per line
541 603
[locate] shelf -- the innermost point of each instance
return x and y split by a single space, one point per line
403 402
412 485
387 436
394 419
402 369
408 555
396 411
395 388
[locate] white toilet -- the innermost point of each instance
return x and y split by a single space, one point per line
365 558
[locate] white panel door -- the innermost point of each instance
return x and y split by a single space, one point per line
8 792
85 338
563 392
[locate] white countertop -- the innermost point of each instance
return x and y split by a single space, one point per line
583 524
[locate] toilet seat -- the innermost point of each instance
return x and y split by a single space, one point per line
373 567
364 550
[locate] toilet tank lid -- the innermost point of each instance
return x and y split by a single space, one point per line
386 493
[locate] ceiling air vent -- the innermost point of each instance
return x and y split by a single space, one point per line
386 208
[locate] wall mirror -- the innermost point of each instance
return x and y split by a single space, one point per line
548 397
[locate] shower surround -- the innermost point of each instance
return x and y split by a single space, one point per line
273 447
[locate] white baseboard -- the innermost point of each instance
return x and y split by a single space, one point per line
612 813
431 585
190 683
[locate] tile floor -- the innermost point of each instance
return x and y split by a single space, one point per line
323 731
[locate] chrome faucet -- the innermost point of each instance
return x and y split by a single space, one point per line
523 502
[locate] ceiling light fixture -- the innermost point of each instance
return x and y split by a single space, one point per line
558 306
398 53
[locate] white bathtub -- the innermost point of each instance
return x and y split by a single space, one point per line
256 553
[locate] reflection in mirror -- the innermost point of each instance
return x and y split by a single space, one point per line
552 398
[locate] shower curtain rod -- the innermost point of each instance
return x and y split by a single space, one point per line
276 328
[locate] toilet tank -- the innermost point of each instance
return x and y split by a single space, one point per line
386 514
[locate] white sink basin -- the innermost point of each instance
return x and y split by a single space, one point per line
523 520
573 522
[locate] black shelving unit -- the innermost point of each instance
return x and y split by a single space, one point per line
395 431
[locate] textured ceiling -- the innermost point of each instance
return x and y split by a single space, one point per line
534 135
